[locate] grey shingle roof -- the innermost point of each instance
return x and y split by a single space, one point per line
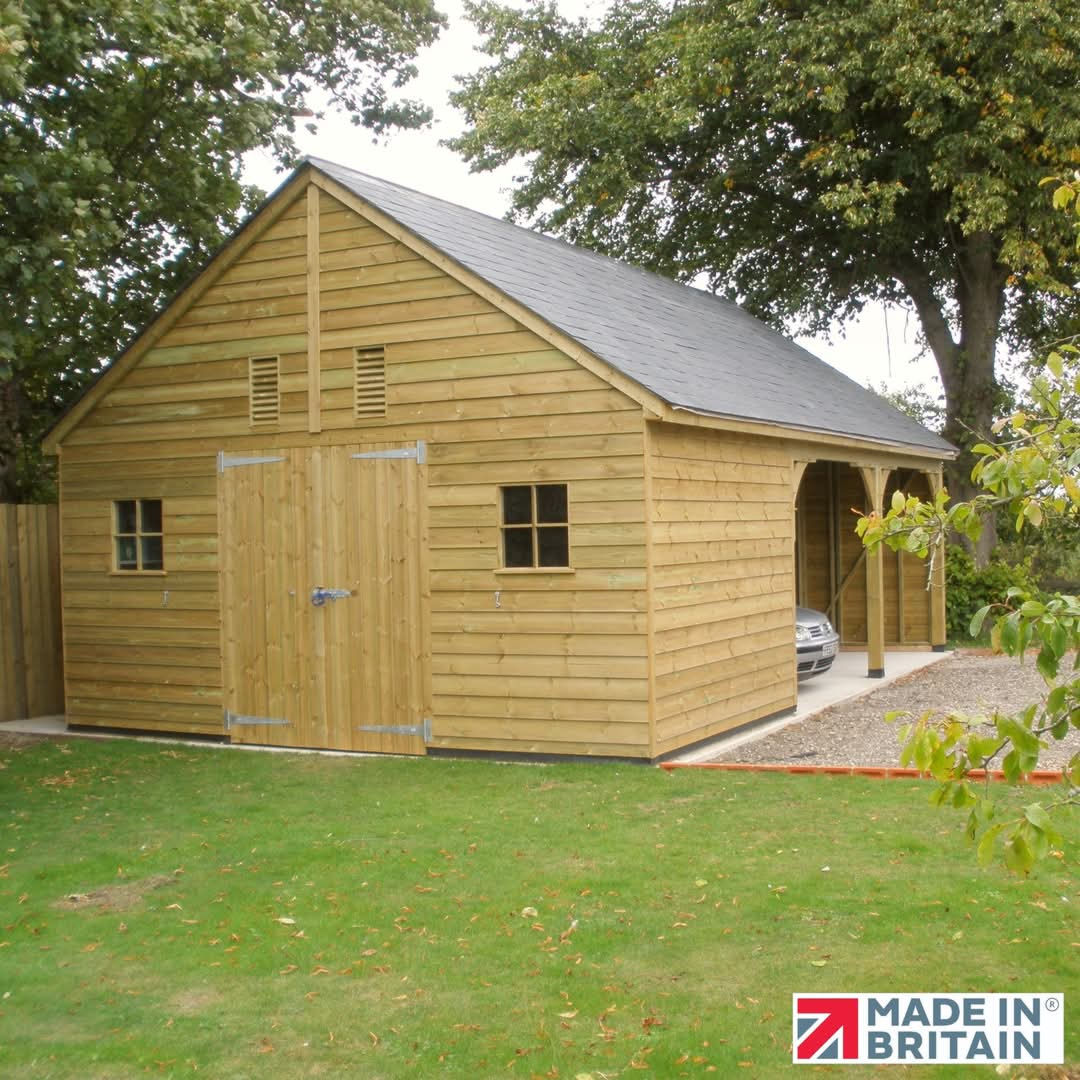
690 348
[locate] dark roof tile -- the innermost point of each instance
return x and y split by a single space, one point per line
689 347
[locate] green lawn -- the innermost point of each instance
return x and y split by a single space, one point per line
172 909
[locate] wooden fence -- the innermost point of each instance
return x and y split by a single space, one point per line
31 651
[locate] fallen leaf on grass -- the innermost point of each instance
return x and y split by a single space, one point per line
285 920
66 780
818 963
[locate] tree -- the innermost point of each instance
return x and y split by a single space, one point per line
807 157
122 125
1034 471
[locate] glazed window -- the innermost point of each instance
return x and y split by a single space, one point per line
535 526
137 535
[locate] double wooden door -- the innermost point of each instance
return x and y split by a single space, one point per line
323 614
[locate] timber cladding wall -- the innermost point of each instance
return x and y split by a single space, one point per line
722 581
31 662
525 661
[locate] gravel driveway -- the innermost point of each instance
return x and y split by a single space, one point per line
855 732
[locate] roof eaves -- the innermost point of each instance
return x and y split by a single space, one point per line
947 452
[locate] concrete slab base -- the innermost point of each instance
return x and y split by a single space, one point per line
845 681
57 726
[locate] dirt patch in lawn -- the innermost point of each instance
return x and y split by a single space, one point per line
122 896
197 1000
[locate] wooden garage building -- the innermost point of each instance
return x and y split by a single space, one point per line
394 475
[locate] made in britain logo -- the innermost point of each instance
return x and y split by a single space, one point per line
882 1029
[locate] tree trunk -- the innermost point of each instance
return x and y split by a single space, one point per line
966 366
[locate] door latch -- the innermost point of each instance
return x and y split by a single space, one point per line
319 595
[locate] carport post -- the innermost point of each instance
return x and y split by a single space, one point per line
874 478
938 632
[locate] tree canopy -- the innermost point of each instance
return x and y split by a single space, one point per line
122 125
807 157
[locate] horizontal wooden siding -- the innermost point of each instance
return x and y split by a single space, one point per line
722 576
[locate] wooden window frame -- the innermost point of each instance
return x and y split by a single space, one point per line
140 534
534 526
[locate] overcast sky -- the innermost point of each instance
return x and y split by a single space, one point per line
879 347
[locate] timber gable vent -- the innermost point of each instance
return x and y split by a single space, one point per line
369 383
265 396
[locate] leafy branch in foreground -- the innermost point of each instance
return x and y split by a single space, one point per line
1034 471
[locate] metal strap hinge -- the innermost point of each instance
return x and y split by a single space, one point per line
237 719
230 461
419 452
422 729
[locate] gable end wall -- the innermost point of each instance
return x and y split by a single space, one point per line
557 664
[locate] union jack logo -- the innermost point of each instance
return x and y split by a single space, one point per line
825 1028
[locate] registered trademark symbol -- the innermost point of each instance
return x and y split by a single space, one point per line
1051 1004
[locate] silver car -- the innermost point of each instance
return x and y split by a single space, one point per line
816 642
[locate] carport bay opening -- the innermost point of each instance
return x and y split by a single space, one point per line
672 618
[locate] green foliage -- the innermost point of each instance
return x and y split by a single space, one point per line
122 125
1033 473
970 587
806 158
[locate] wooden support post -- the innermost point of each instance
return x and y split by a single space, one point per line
937 577
874 478
798 469
314 347
833 512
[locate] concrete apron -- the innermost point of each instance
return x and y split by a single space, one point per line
844 681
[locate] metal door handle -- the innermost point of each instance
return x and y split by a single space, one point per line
319 595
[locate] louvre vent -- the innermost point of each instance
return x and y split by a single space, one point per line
265 396
369 383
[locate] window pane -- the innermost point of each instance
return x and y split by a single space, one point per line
554 545
126 553
151 515
517 505
518 546
125 516
151 553
551 502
